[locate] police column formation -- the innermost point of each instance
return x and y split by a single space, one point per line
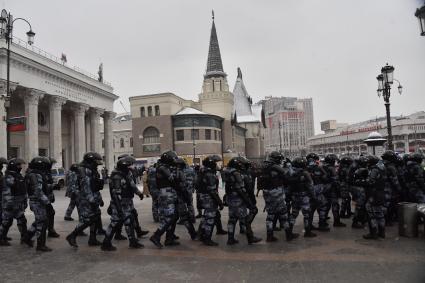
307 185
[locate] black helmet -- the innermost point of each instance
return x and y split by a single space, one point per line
3 160
93 158
168 157
15 164
40 163
275 157
74 167
125 162
312 156
236 162
346 160
406 157
331 159
180 162
211 161
122 155
299 162
362 161
372 160
389 155
416 157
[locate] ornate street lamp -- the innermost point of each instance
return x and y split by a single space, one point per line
6 32
385 80
420 14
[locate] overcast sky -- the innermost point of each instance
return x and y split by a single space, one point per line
330 50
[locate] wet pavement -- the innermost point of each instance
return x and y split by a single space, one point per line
337 256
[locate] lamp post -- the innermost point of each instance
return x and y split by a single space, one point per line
385 80
420 14
193 141
280 137
6 31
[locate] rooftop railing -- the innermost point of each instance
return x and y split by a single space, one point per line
55 59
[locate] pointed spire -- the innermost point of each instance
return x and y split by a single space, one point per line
239 73
214 63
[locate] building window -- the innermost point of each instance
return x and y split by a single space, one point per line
215 135
157 110
142 112
219 135
131 142
195 134
149 111
207 134
42 152
113 143
151 135
122 143
180 135
103 143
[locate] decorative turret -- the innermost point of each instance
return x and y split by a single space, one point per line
214 63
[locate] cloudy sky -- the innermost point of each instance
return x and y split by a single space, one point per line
330 50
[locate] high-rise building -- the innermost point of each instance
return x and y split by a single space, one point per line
289 123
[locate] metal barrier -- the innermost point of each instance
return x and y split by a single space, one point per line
408 219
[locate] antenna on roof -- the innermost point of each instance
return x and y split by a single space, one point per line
122 104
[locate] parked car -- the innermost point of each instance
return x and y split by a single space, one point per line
58 175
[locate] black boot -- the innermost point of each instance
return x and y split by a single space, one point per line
290 236
251 238
170 240
107 244
28 239
134 244
270 237
309 234
219 225
372 235
381 232
41 242
231 236
191 229
92 238
323 227
338 223
209 242
107 247
140 233
72 238
156 239
357 225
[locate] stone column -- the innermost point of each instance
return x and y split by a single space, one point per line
31 100
94 129
3 126
79 131
108 136
55 128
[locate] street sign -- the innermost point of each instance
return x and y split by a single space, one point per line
16 124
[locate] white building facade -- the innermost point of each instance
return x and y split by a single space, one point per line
60 106
408 135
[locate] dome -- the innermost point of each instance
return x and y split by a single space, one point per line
374 135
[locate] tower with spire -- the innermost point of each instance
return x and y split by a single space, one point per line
215 97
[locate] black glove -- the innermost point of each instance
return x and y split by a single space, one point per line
101 203
220 206
141 196
253 209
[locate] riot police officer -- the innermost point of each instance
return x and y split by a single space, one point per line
238 201
3 161
35 179
166 180
207 184
301 189
189 173
122 189
14 200
154 192
358 176
274 196
375 195
414 177
392 187
48 191
318 202
88 204
343 178
332 190
184 198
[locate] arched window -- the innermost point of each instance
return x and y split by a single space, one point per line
149 111
157 110
151 141
121 142
142 112
151 135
